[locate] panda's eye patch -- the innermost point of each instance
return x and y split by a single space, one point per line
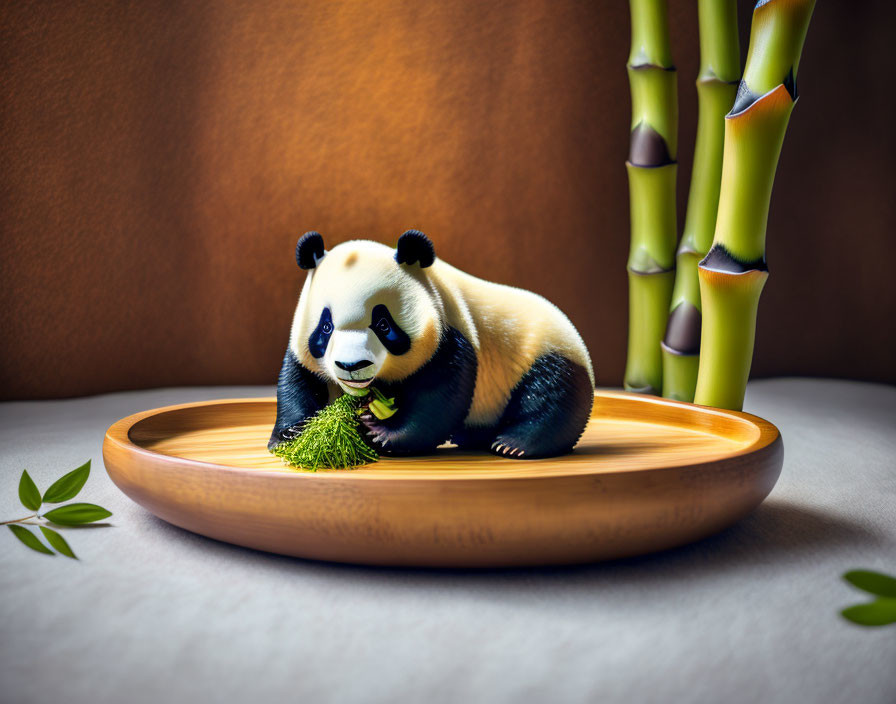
317 341
394 339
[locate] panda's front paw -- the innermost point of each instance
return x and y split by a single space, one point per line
290 433
374 431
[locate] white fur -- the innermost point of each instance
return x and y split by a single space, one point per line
350 346
508 327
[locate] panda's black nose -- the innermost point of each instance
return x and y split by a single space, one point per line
354 366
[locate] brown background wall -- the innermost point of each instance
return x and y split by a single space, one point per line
157 164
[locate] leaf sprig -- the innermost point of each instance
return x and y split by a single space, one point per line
882 610
75 514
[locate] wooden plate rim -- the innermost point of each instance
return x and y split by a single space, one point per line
768 440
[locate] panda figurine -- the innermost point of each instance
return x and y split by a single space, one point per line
486 366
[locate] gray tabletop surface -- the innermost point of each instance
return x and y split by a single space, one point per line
152 613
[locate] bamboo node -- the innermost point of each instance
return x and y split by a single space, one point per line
683 330
688 248
642 264
648 148
648 389
646 66
720 259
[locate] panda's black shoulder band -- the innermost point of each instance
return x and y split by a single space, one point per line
309 250
414 246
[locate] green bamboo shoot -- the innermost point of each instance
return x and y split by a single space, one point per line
734 272
651 170
716 89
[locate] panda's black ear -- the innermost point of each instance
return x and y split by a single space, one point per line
309 250
414 246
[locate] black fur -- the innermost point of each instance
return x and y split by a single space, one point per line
309 245
390 333
320 336
414 246
432 402
545 416
300 394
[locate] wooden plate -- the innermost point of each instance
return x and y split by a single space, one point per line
648 474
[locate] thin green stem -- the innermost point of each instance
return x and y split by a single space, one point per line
652 171
776 42
650 33
19 520
734 272
716 88
719 45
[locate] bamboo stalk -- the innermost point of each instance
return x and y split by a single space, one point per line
716 88
734 272
651 168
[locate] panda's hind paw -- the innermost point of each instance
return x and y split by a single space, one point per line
505 450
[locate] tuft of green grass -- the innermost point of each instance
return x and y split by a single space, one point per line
329 439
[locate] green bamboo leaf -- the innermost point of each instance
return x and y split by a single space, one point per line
880 612
872 582
68 486
29 494
30 539
76 514
58 542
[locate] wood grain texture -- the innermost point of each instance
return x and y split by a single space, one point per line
648 474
